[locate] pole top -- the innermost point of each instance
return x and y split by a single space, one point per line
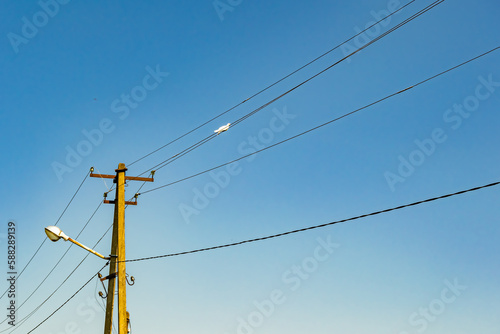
121 168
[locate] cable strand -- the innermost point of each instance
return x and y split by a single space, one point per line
241 119
77 291
274 83
326 123
45 239
316 226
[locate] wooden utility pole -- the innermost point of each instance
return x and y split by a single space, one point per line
117 270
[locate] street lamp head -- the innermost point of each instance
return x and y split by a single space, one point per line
54 233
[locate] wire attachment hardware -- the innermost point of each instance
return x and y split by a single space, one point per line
132 279
103 286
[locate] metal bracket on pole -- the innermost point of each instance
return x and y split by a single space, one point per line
103 286
111 276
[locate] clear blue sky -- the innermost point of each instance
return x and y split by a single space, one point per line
95 84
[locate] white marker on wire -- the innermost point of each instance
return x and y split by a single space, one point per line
222 128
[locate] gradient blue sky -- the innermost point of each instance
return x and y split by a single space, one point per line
67 78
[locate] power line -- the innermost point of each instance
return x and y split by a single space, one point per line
181 154
60 285
241 119
45 239
46 299
273 84
264 238
101 304
329 122
138 190
316 226
77 291
62 257
411 18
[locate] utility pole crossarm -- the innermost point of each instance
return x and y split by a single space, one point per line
103 176
125 178
137 178
131 178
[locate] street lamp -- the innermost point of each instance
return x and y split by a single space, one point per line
54 233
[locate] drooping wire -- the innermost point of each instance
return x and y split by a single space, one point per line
104 181
317 226
326 123
37 308
273 84
241 119
50 296
45 239
60 285
102 305
77 291
62 257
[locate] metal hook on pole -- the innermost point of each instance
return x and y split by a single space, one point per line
103 286
132 279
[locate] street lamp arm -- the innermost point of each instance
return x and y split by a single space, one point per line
88 249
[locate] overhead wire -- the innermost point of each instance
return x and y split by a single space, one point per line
62 257
241 119
136 194
316 226
39 306
23 320
45 239
328 122
65 280
102 305
104 181
202 142
60 285
259 239
77 291
181 154
212 136
399 25
274 83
